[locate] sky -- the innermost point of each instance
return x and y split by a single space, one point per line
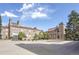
40 15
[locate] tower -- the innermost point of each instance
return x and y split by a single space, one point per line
61 31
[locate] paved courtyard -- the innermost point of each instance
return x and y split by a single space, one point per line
8 47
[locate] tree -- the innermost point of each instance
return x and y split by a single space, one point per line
68 35
0 27
72 26
46 36
36 37
41 35
21 35
18 22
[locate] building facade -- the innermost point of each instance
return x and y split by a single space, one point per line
13 29
57 32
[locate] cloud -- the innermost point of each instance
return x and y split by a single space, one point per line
34 11
38 15
40 8
9 14
25 7
22 17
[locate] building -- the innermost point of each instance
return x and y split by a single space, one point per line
57 32
14 28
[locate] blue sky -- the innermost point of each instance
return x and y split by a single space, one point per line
40 15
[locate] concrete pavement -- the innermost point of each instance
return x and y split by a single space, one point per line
8 47
43 47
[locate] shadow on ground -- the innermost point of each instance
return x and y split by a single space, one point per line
71 48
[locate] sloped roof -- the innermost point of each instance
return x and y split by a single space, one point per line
19 26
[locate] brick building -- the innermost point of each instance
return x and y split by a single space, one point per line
57 32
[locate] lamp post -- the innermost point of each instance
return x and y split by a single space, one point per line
9 29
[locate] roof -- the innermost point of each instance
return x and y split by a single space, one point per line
4 26
51 29
18 26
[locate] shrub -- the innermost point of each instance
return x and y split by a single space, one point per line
21 35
